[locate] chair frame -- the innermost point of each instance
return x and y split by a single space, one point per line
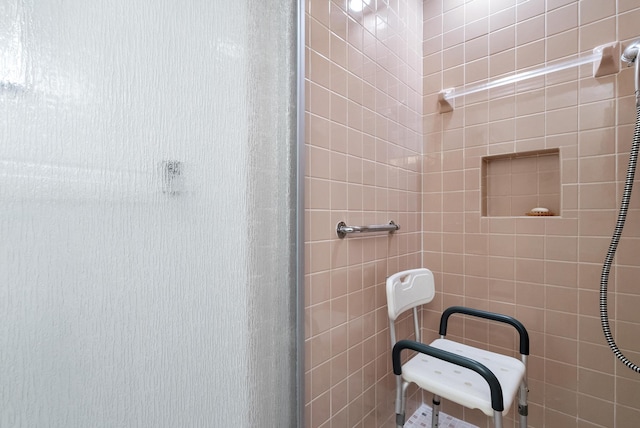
494 385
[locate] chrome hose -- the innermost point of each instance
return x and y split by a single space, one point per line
615 239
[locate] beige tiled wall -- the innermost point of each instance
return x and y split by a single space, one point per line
519 184
545 271
364 154
371 78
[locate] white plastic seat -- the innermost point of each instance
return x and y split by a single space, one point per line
472 377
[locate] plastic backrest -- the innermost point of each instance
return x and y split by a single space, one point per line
408 289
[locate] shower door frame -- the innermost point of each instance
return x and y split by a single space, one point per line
300 226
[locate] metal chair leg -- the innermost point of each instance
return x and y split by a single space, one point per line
435 415
523 407
497 419
401 393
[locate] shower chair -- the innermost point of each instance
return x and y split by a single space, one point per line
472 377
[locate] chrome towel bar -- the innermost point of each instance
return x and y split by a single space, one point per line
342 229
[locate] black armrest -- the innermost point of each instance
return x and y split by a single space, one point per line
524 336
497 402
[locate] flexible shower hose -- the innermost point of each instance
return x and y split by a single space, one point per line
622 216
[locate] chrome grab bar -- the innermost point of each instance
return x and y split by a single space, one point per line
342 229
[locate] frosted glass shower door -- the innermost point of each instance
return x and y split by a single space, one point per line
147 223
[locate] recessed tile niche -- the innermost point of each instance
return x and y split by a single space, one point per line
514 184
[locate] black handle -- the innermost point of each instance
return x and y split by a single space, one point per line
496 390
524 336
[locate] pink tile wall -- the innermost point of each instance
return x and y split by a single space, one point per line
516 185
545 271
364 166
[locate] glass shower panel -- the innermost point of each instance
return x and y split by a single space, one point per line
147 214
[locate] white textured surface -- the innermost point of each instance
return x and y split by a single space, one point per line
462 385
121 305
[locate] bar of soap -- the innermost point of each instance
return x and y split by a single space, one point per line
540 210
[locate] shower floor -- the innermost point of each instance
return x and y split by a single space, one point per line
422 418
